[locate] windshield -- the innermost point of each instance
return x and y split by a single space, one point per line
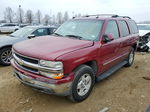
85 29
144 27
22 32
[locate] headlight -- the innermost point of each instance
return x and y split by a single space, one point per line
57 65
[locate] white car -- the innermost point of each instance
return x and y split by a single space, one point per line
144 32
143 29
8 27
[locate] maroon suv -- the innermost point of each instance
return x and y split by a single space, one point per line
80 52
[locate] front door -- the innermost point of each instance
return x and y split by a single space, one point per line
109 52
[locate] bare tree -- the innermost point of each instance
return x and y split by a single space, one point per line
59 18
20 14
46 19
9 14
66 16
79 15
29 16
39 16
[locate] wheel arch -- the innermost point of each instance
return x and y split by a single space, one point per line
134 46
93 64
5 46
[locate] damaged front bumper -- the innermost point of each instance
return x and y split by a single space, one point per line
58 87
61 89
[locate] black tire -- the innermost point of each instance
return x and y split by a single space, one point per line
2 51
129 60
80 72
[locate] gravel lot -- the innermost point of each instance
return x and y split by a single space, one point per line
124 91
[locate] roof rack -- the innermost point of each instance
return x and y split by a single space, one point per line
125 17
122 16
105 15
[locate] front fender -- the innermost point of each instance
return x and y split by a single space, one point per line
8 41
73 59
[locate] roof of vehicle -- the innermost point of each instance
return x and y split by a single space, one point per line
103 17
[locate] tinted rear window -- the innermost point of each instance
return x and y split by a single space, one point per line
133 27
124 28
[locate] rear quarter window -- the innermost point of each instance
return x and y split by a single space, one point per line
133 27
124 28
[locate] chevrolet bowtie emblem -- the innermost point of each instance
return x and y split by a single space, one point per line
20 61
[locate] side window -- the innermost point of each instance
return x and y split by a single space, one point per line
6 25
133 27
112 28
11 25
40 32
124 28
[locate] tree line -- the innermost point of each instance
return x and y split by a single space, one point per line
28 17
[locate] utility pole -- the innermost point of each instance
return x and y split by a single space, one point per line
20 15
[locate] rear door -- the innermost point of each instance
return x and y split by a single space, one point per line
4 28
125 39
12 27
109 52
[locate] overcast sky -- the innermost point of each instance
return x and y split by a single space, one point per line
139 10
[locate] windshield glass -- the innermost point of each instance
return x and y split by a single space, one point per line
85 29
23 32
144 27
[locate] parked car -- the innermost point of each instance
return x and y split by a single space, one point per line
144 32
81 51
9 27
25 33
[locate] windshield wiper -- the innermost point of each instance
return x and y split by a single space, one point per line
58 34
75 36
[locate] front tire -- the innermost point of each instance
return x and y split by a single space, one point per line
130 59
82 84
5 56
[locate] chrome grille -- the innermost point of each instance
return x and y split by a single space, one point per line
27 59
23 62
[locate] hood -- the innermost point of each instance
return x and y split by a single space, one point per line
7 40
143 32
49 47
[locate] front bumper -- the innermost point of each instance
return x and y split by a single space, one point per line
43 84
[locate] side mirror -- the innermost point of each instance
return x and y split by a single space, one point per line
108 37
31 36
53 30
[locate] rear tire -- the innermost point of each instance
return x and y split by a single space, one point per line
130 59
5 56
82 84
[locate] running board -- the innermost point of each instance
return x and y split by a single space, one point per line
110 71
